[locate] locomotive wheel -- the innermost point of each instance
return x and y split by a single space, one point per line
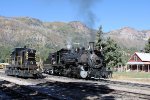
50 71
67 72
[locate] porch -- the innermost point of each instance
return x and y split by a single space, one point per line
138 66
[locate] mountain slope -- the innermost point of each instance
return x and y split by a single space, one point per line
25 30
129 37
43 36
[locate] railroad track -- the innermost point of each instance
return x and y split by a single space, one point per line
132 95
128 84
124 89
105 81
68 90
23 92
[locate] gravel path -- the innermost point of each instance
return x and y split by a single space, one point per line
12 91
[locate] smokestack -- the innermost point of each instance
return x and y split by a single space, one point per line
91 46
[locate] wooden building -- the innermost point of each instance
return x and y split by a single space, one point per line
139 62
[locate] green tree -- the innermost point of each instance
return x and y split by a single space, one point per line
147 46
99 38
4 54
112 53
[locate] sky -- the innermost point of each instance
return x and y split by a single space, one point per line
111 14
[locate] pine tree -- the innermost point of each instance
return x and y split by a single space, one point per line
112 53
147 46
99 38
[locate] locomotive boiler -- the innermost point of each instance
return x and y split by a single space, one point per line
77 62
22 63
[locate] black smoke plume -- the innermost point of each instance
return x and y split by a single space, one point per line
84 8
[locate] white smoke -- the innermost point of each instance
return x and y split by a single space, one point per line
69 43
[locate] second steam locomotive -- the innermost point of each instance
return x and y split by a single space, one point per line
77 62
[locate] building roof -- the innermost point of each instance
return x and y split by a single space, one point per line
143 56
139 63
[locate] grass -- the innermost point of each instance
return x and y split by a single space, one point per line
132 76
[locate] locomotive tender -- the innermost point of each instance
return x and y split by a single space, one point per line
77 62
22 63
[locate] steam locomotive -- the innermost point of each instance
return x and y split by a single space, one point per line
77 62
23 63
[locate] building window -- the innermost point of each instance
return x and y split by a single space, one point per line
135 58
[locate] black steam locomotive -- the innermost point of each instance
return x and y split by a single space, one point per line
22 63
77 62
